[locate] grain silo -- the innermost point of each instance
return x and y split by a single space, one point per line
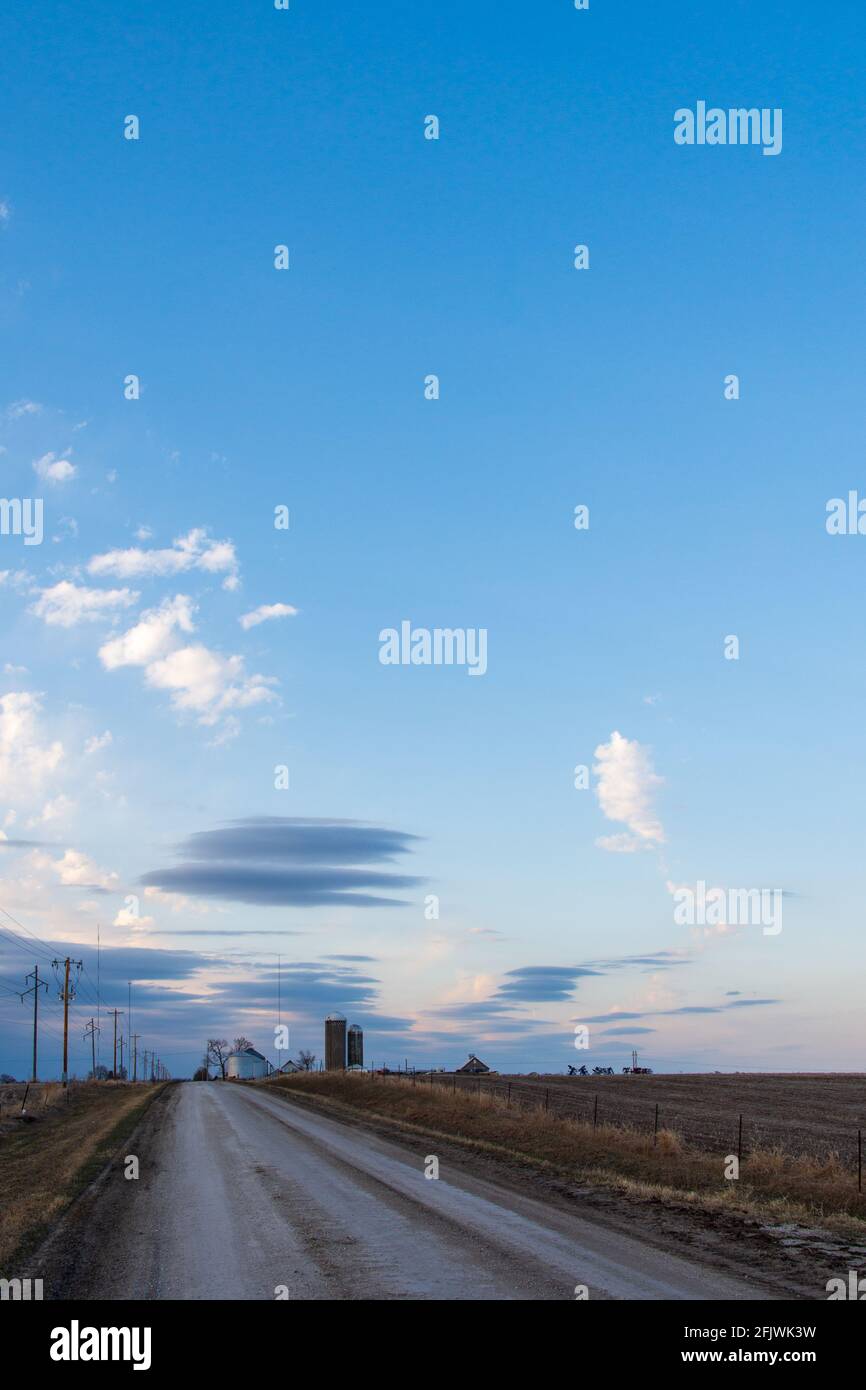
356 1046
335 1042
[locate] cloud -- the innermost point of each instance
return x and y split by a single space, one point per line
51 469
5 212
653 960
291 862
534 983
76 870
151 636
678 1012
17 409
67 604
58 809
127 918
194 551
265 612
200 681
25 760
97 743
625 787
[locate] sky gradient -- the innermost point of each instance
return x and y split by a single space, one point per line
167 650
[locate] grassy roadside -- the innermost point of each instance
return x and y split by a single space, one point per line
773 1187
44 1166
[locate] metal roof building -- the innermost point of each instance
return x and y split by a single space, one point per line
247 1065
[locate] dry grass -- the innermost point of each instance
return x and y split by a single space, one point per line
773 1185
44 1164
41 1097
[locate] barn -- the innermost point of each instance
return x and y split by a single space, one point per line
474 1067
247 1065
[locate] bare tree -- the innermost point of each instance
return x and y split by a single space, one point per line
217 1054
241 1044
306 1060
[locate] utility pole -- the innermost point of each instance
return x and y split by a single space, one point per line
133 1038
90 1032
34 990
66 995
121 1052
116 1012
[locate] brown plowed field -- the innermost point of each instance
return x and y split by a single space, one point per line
800 1113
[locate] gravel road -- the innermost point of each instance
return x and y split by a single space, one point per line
244 1195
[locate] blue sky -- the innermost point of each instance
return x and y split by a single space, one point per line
558 387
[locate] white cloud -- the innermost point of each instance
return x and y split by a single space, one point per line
24 407
199 680
97 743
207 683
194 551
51 469
25 760
58 809
65 604
5 212
264 612
76 870
151 637
126 918
180 902
625 788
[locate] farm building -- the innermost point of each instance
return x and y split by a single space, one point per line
473 1067
355 1038
335 1042
247 1065
288 1068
